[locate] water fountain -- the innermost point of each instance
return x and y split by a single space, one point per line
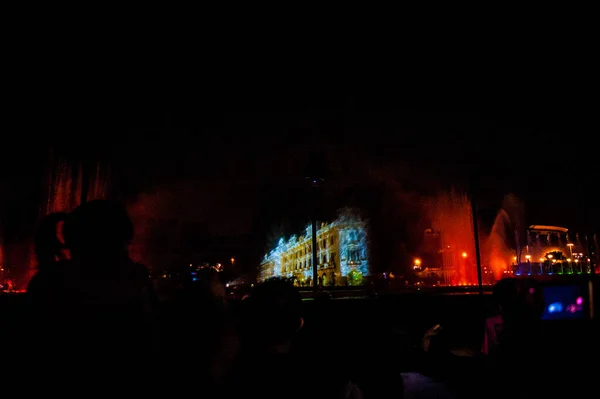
450 214
496 252
508 241
69 184
65 187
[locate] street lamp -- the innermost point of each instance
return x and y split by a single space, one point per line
570 245
542 260
417 264
315 183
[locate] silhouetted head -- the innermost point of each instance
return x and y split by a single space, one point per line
98 228
506 294
531 299
205 288
274 311
48 243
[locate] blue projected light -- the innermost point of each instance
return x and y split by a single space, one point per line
565 302
555 307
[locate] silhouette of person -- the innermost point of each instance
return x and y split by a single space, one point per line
50 256
271 321
199 311
505 294
44 291
110 312
522 340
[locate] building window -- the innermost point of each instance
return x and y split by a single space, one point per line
353 255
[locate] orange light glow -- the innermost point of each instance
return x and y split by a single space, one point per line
464 254
450 213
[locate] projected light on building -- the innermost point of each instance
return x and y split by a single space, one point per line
342 254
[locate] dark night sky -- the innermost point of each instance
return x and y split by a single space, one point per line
239 162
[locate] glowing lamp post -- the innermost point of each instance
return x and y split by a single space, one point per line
579 269
542 260
476 239
570 245
417 265
314 178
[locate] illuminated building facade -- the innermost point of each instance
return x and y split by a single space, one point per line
341 252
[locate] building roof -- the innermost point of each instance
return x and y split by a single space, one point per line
540 228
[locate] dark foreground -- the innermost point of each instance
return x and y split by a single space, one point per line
389 322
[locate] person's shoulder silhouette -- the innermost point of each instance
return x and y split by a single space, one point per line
50 256
45 291
275 312
272 316
111 301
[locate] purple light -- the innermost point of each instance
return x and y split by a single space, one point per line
579 301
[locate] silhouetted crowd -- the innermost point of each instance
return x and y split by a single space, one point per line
96 328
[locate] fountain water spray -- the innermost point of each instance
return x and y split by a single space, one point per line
63 191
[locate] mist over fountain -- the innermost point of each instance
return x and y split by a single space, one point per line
497 253
450 215
68 184
451 218
507 237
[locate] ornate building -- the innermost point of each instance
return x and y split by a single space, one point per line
341 252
